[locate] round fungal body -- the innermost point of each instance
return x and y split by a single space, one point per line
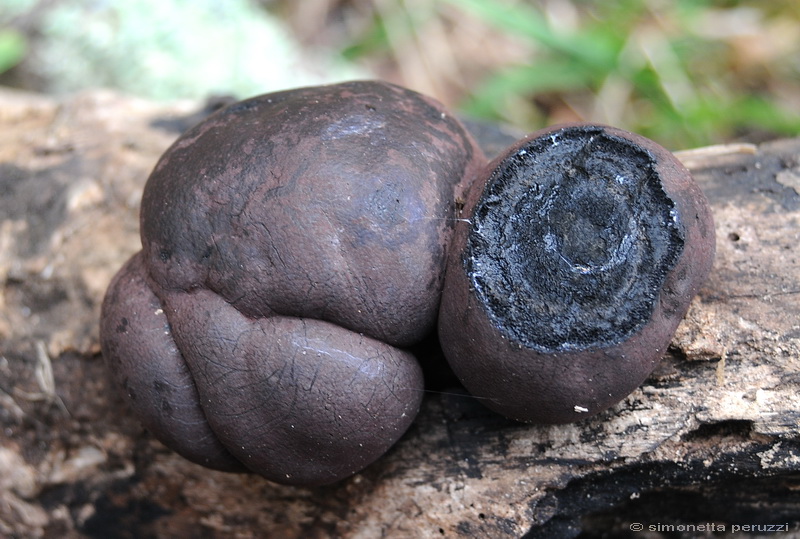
581 251
292 243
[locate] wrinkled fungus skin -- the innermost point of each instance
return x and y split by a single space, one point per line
292 243
581 250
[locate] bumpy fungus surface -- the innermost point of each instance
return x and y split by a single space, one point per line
584 247
291 243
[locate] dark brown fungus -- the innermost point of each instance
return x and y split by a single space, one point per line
583 249
291 244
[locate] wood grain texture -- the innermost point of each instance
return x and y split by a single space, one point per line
710 437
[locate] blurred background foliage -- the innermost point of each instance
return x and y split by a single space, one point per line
683 72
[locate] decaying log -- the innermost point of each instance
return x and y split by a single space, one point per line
711 439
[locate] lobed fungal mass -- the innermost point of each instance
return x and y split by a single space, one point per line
293 245
296 244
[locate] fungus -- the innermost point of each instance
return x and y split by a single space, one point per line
292 243
580 252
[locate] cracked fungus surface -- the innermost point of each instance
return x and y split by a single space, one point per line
571 241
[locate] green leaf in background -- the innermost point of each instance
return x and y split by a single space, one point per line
544 76
12 49
375 39
674 71
526 21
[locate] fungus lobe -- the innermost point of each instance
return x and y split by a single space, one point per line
291 244
581 251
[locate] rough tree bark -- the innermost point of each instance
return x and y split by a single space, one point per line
711 439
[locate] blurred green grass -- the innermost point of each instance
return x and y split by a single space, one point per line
686 72
12 49
683 72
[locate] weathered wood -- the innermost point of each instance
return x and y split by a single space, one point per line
710 438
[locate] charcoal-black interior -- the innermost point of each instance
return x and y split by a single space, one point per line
572 239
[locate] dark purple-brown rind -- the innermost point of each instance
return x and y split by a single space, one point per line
145 363
290 243
332 202
543 356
